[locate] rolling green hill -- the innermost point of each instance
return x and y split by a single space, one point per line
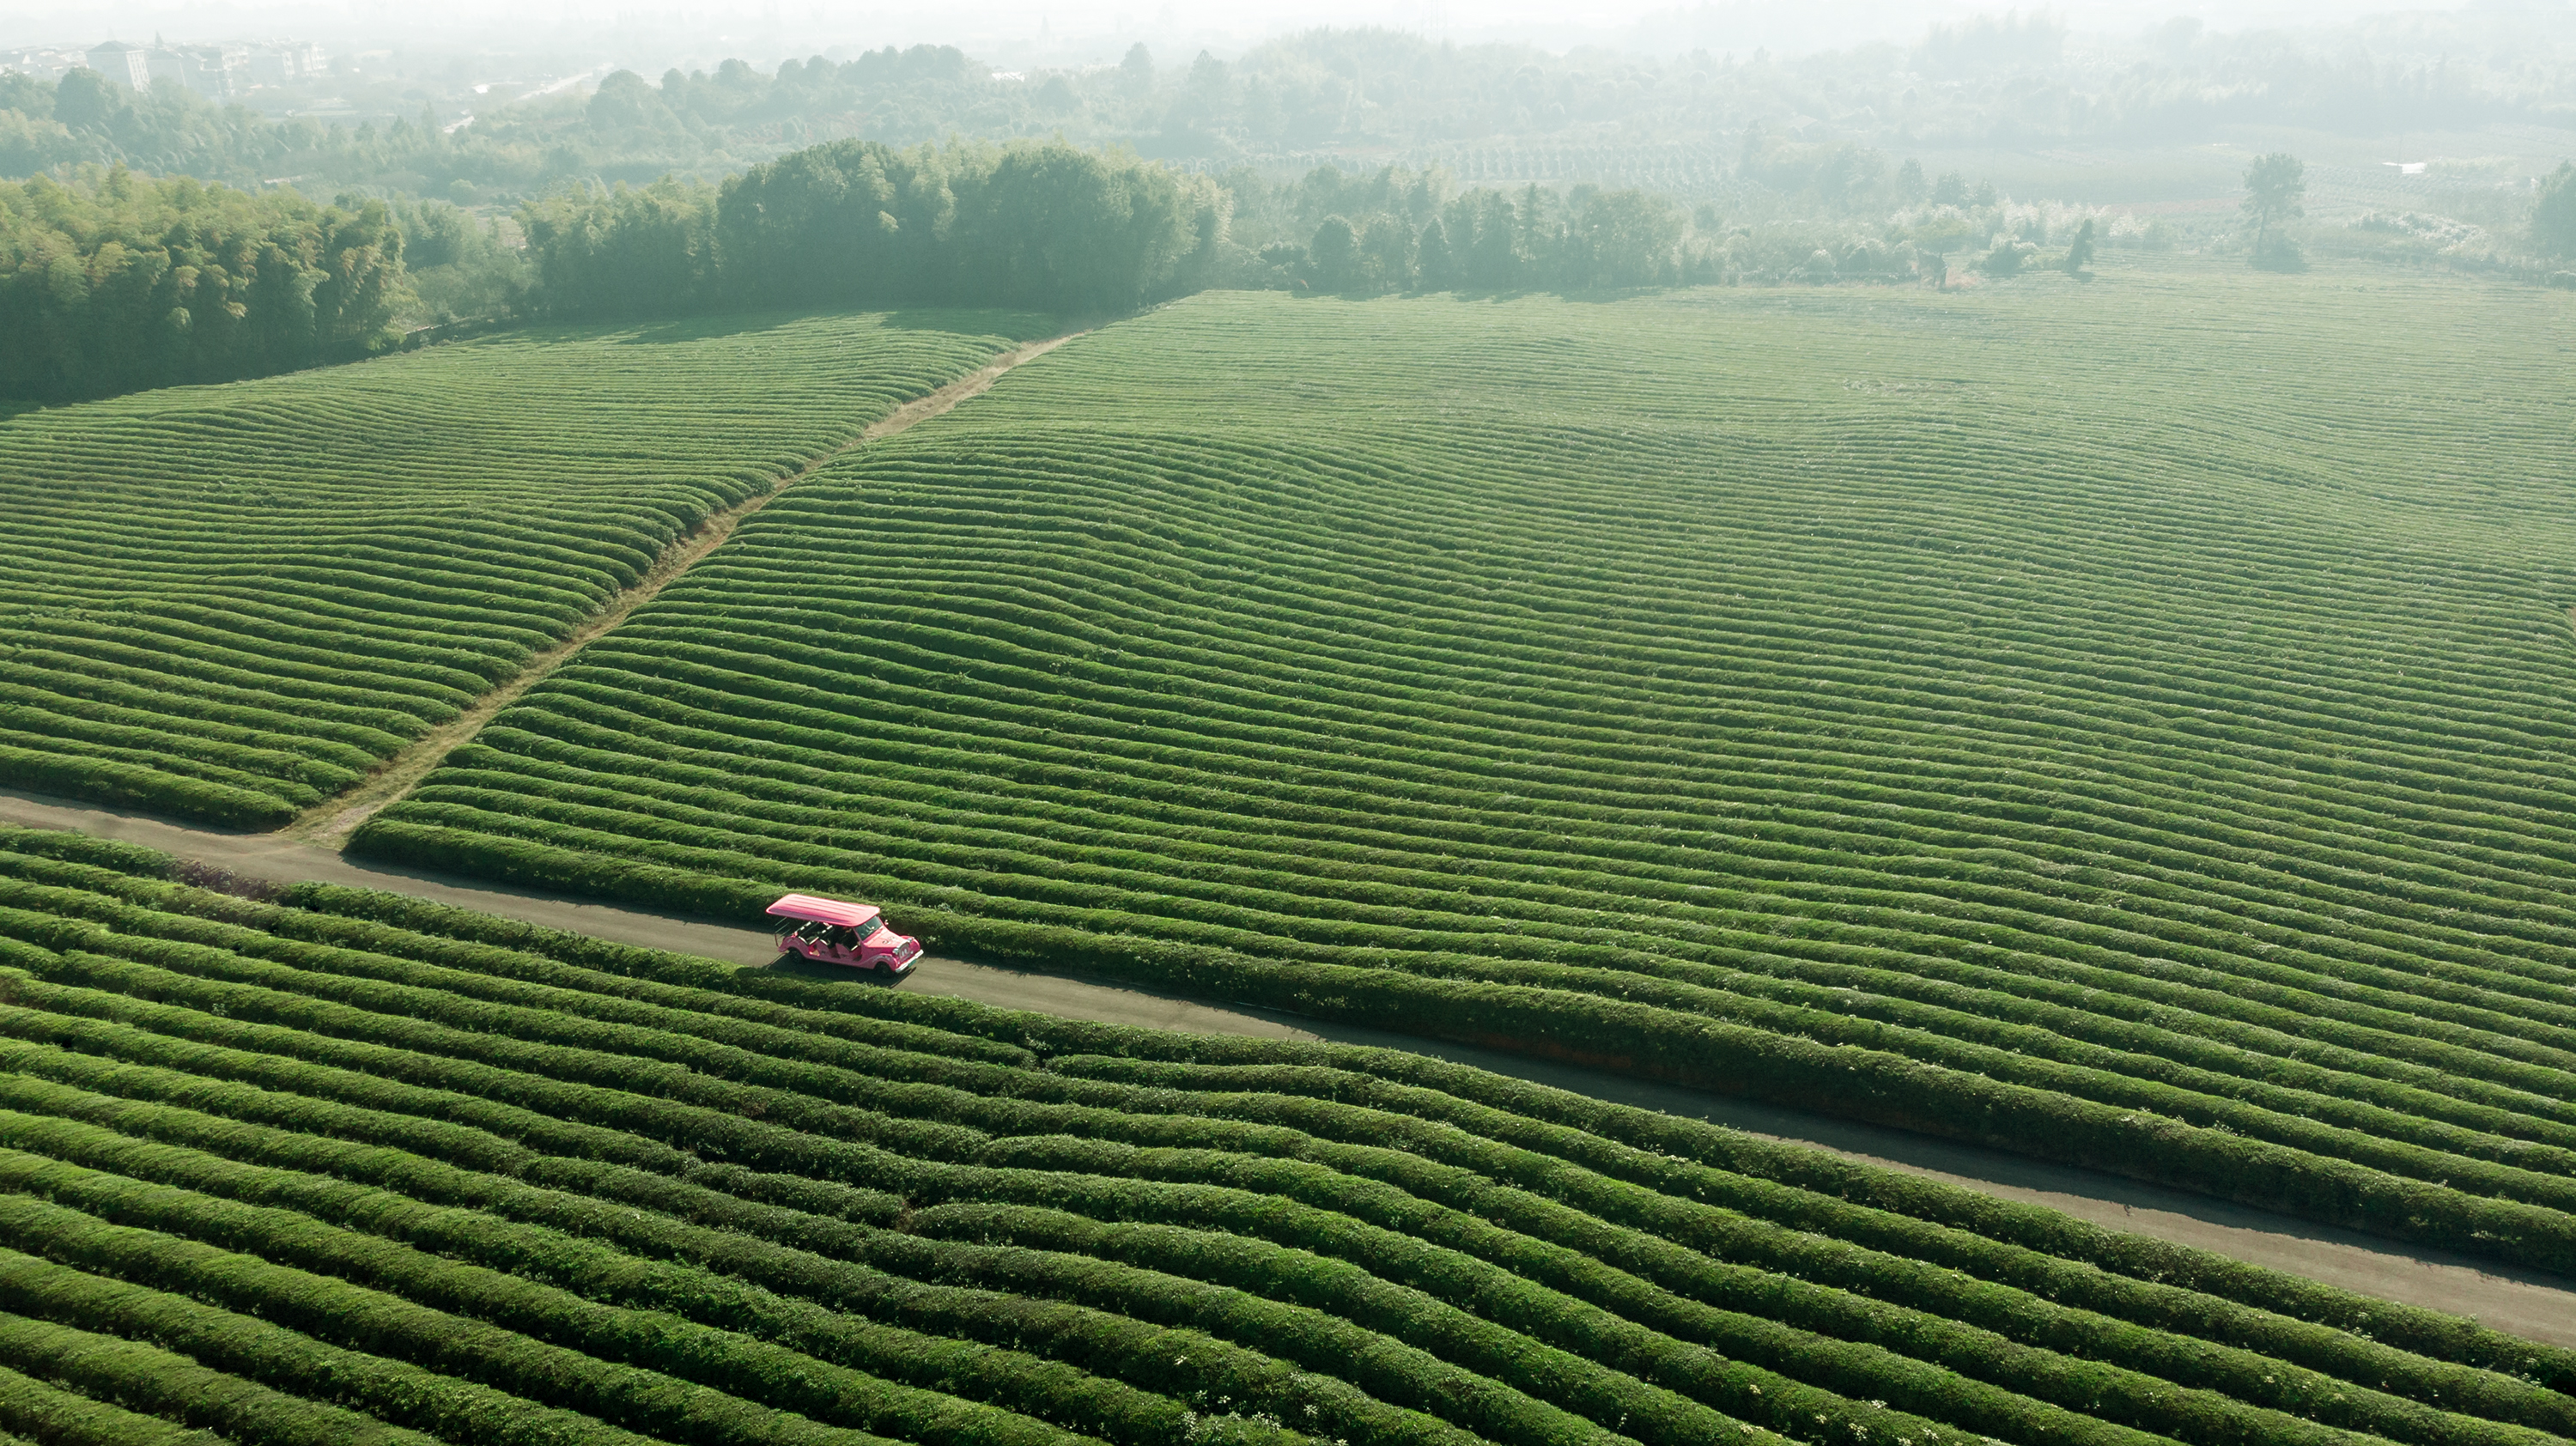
227 603
338 1166
2125 723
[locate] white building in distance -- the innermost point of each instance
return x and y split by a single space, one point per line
126 65
285 62
217 72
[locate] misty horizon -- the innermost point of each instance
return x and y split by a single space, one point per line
1045 35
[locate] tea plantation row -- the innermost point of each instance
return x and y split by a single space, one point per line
2100 729
225 604
342 1166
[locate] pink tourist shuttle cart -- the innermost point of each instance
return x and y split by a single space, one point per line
828 931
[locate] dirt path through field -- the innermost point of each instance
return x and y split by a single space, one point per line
2527 1304
334 818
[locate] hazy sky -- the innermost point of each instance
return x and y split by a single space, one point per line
637 32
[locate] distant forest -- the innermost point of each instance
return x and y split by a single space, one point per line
110 281
1779 124
123 282
161 239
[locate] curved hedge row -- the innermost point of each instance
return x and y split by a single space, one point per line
1753 702
225 604
442 993
284 1360
108 1370
438 1173
2049 1253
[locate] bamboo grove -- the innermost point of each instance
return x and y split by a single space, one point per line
121 282
110 282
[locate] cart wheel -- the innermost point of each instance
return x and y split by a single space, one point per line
884 970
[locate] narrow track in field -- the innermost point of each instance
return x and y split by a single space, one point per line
2525 1303
334 818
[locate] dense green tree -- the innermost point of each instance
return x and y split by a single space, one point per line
1438 267
625 251
458 265
625 105
1058 227
84 101
2276 185
31 144
110 282
1486 236
1334 255
1943 233
850 221
1407 229
1911 188
1037 224
2079 252
2006 257
1623 238
1204 99
1136 71
2553 214
1851 176
1388 261
24 93
1534 236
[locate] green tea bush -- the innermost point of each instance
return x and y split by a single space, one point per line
372 1167
148 1383
225 604
272 1356
1950 710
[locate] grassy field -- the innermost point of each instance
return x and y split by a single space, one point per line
337 1166
227 603
2122 722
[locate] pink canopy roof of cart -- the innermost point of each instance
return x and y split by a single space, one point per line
824 911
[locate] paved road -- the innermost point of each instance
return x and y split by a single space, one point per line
2528 1304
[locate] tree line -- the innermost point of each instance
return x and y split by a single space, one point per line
1045 225
111 282
628 129
1400 230
1703 121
